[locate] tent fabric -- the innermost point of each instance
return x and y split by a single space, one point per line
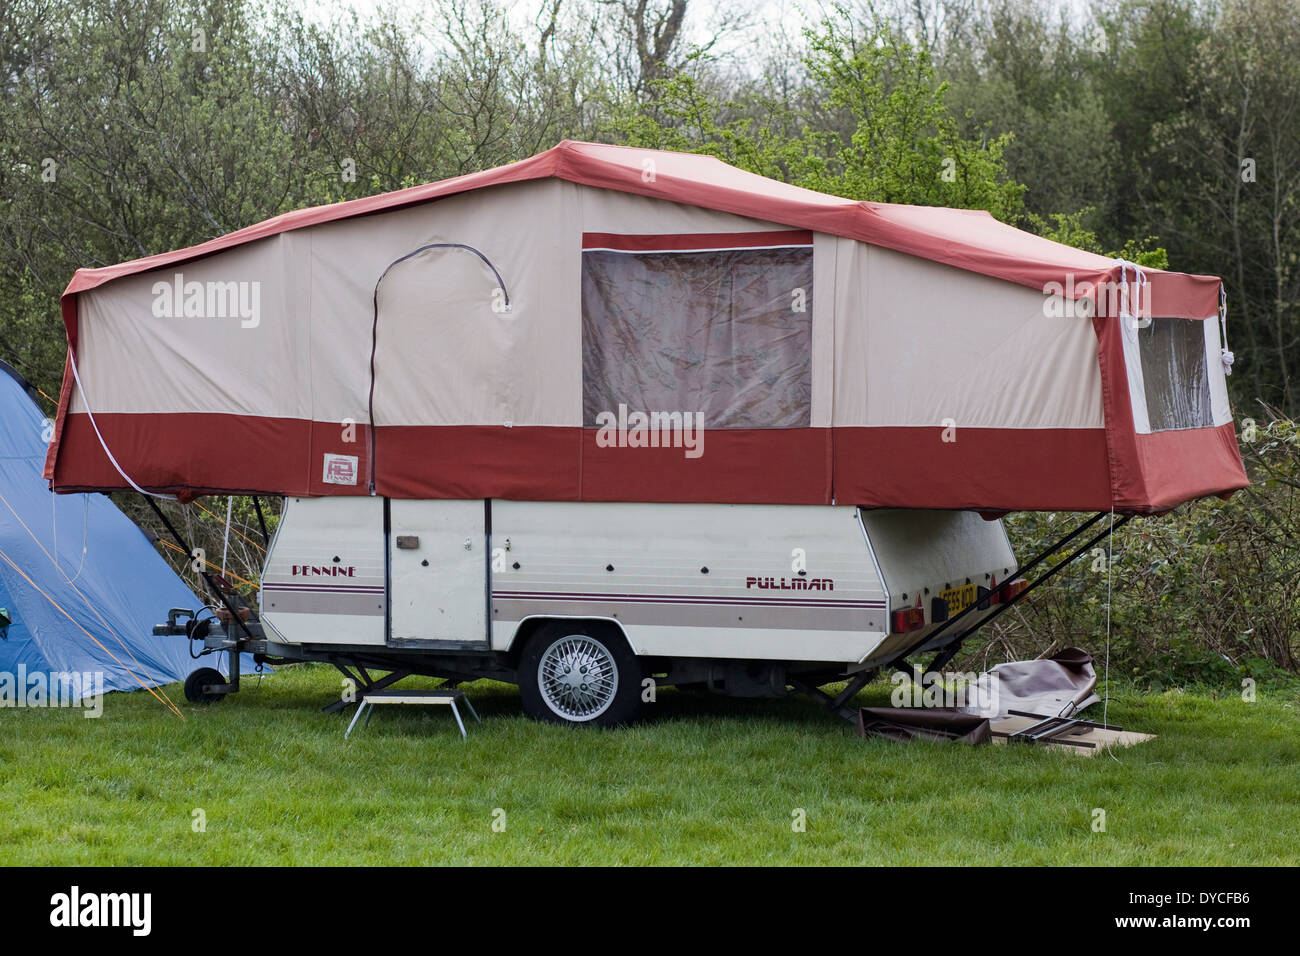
1056 686
117 588
968 239
837 351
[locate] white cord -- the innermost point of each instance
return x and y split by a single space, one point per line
1110 560
85 400
54 529
85 536
1139 280
1225 353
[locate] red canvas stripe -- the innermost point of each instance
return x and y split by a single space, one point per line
704 240
166 453
478 461
1190 463
65 393
1058 469
1117 408
738 466
1178 296
990 469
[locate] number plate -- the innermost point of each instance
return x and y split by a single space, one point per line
959 598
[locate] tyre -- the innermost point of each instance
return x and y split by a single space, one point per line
194 691
576 674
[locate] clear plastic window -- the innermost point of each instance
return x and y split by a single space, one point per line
724 332
1175 376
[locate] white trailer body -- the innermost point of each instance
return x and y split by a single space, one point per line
796 584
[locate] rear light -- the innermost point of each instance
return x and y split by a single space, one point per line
1009 590
909 619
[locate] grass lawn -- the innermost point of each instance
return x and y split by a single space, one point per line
708 781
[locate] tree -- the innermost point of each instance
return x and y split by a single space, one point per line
1223 184
887 133
872 125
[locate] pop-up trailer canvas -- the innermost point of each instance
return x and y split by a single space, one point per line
607 416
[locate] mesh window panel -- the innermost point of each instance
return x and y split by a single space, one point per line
1174 374
724 332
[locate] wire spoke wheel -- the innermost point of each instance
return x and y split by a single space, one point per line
578 677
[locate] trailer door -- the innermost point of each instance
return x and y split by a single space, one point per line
437 552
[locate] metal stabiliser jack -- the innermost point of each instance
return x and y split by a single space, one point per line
949 646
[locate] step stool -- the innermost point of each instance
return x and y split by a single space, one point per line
448 696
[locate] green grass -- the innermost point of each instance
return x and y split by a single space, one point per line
708 781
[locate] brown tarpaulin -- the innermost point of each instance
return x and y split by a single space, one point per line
942 724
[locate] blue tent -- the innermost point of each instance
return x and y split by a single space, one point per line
81 585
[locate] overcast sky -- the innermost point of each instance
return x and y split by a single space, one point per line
765 17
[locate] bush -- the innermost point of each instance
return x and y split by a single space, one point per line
1205 594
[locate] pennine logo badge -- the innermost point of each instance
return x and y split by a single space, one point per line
327 570
340 470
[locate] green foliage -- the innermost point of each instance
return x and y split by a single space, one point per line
880 129
679 114
903 144
1209 593
1022 75
1068 228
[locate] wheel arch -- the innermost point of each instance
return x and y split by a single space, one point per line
534 623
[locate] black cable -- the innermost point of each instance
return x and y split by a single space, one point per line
257 504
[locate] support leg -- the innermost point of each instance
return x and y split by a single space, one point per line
355 718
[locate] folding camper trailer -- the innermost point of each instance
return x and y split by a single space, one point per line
609 415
